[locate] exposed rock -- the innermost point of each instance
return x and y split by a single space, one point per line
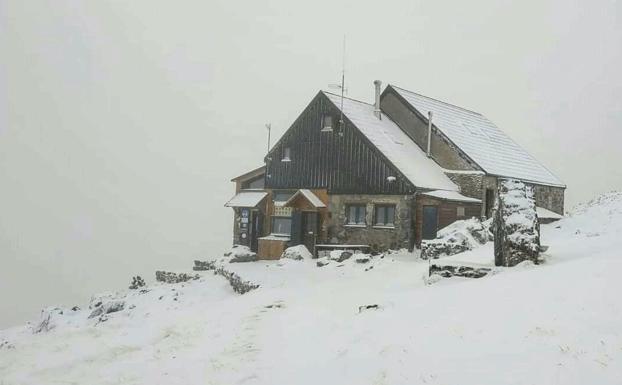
340 256
204 265
458 271
239 253
322 262
170 277
137 282
369 307
244 258
297 253
107 308
363 258
456 238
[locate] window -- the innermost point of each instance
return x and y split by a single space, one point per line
385 215
286 157
327 123
281 225
460 211
256 184
356 214
281 196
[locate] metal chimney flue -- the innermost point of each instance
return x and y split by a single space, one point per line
377 84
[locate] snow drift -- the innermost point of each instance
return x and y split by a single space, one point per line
557 323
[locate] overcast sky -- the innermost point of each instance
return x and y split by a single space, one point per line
122 122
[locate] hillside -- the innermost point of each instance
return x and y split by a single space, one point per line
556 323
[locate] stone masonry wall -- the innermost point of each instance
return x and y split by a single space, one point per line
443 152
549 197
378 238
471 185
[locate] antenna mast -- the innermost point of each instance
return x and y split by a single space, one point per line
343 83
269 127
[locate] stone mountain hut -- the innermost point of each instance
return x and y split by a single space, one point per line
353 175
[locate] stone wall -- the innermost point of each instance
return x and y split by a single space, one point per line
378 238
549 197
471 184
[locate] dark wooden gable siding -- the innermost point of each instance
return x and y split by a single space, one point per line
343 162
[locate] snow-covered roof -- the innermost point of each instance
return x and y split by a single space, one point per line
548 214
246 199
451 196
309 195
399 149
482 141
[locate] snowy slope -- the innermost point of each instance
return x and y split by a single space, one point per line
558 323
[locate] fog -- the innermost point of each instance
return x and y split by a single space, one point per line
122 123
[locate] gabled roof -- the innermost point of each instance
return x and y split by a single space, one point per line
251 174
480 140
309 196
246 198
396 146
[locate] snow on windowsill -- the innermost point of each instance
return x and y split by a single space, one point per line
286 160
354 225
384 227
276 237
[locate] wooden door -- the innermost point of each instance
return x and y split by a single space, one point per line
309 230
430 222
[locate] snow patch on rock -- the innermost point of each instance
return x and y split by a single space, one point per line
297 253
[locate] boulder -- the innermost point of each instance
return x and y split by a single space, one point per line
340 256
239 253
456 238
297 253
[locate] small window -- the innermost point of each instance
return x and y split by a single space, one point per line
286 153
460 211
281 196
356 214
256 184
281 225
327 123
384 215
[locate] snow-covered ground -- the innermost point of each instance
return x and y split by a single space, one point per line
557 323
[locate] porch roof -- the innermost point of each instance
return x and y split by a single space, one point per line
246 199
451 196
309 196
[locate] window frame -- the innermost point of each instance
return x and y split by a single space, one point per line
272 226
327 127
385 207
458 209
358 208
287 152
